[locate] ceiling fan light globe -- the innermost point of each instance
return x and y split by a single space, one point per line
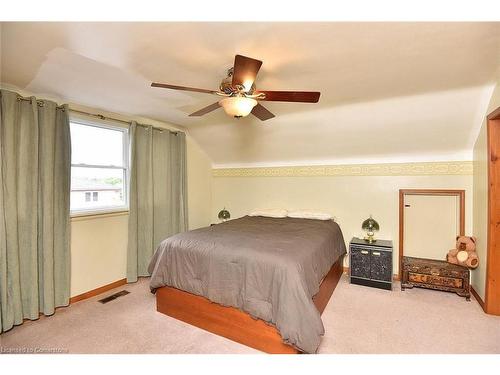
238 106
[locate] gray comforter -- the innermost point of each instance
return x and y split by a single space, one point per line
268 267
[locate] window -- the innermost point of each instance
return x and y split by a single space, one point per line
99 167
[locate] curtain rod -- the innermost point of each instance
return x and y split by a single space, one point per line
102 117
39 102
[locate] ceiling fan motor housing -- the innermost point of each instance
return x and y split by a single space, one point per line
227 87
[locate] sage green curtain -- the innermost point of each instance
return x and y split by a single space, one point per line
35 167
158 206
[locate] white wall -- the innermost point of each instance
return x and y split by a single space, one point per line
98 251
351 199
481 198
199 185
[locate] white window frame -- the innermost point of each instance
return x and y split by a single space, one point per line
110 125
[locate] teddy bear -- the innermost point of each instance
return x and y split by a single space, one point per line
465 252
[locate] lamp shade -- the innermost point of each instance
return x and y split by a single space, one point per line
370 225
238 106
224 214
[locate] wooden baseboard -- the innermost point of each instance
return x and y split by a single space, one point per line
395 277
97 291
477 297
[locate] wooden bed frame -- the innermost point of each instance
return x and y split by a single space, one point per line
235 324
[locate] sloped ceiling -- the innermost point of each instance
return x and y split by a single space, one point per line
390 91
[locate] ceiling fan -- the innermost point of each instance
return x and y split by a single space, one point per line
240 96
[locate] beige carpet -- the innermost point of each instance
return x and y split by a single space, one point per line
357 320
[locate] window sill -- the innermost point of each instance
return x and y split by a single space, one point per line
80 216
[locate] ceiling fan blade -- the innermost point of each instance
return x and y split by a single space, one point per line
290 96
262 112
183 88
245 70
207 109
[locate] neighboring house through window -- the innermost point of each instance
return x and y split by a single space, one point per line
99 166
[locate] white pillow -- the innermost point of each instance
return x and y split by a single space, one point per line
310 214
269 212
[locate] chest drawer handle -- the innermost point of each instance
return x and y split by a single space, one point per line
376 253
364 252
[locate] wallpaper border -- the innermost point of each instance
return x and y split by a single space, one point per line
459 168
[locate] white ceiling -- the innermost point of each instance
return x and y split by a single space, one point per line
389 91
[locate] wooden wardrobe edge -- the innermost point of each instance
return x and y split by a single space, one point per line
478 298
492 287
495 115
97 291
233 323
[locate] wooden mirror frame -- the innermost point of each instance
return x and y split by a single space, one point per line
431 192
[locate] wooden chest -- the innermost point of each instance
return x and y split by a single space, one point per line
435 274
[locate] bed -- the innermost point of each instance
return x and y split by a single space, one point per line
260 281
